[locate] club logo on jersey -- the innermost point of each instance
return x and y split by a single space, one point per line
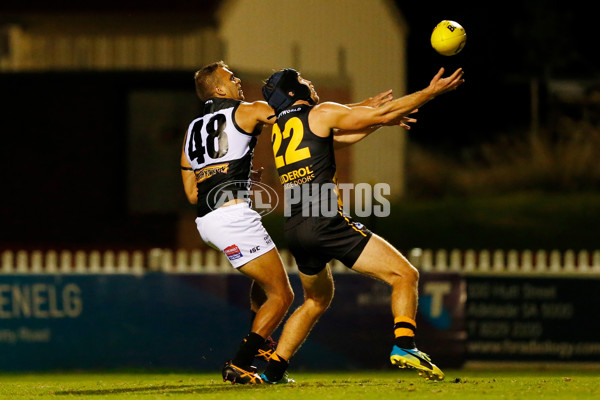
233 252
206 172
262 197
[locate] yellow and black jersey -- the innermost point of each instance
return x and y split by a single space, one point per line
316 230
305 162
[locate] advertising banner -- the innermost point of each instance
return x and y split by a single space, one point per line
534 319
196 321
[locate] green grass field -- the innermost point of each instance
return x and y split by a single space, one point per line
563 384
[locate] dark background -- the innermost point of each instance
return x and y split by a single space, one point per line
65 161
508 44
64 135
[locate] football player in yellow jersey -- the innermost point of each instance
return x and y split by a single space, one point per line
303 144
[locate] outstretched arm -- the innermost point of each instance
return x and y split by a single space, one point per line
375 101
332 115
343 138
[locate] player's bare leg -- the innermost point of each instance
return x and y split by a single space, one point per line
318 293
268 272
381 260
257 299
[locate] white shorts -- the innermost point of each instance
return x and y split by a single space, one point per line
237 231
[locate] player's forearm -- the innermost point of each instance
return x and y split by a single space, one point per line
343 138
189 180
189 184
375 101
364 103
403 106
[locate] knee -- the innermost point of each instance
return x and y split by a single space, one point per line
407 273
414 274
317 305
280 297
287 297
284 296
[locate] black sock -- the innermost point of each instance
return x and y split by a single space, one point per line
248 348
276 368
405 342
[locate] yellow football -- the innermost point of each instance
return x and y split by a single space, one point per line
448 38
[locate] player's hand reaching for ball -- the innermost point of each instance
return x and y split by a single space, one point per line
379 100
404 121
439 85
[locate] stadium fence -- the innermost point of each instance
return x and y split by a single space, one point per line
466 262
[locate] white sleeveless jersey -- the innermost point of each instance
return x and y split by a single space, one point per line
220 154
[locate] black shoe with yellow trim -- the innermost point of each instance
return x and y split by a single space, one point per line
264 353
235 374
266 350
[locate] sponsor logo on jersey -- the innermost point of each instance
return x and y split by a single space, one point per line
254 249
233 252
268 239
298 176
284 112
206 172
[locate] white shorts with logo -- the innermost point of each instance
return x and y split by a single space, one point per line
237 231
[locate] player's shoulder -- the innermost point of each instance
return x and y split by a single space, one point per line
327 110
258 105
328 106
255 107
255 111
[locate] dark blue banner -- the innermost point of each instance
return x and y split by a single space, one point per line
533 319
195 321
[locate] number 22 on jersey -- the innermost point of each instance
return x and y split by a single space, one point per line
292 153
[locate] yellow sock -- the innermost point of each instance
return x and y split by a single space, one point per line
404 332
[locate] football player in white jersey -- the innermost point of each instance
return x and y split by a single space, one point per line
216 164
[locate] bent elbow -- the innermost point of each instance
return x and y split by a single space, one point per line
192 198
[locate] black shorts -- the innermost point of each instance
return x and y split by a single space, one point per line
314 241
